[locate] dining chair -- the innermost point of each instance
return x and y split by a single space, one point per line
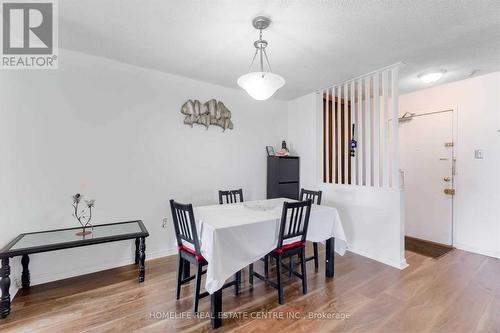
291 242
231 196
189 251
315 196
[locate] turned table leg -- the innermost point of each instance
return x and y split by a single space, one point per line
5 286
25 277
137 250
142 258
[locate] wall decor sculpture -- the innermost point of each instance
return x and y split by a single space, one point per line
209 113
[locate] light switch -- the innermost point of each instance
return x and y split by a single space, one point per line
478 154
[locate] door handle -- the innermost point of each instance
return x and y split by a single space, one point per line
447 179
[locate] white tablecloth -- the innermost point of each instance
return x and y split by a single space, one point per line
235 235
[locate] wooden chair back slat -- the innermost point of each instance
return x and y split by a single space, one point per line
315 196
185 224
294 220
231 196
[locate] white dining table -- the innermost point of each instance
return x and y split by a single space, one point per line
232 236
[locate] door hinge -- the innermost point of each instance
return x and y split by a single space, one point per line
449 191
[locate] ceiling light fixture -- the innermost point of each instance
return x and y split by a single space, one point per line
262 84
431 77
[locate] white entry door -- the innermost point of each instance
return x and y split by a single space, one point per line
427 162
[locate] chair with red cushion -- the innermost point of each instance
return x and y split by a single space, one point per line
291 242
189 251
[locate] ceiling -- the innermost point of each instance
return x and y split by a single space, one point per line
312 44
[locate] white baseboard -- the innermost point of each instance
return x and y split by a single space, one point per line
477 249
385 260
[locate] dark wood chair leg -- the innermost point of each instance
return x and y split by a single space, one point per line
237 279
279 282
186 269
303 271
5 286
179 276
266 266
25 277
292 267
197 288
316 258
142 259
250 275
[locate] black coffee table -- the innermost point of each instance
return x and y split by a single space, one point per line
51 240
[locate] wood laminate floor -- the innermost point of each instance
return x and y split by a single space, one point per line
459 292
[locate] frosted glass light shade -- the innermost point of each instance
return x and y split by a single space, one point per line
431 76
261 85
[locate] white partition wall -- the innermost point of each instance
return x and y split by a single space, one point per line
363 184
359 113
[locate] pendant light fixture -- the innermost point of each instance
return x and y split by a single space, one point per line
262 84
431 77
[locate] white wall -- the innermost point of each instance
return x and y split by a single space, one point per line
114 132
476 206
371 217
7 177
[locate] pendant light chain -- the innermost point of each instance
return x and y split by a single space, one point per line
261 63
253 59
262 54
267 59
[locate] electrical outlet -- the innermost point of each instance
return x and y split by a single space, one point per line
478 154
164 223
17 283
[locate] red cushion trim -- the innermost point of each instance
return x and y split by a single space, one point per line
289 246
193 252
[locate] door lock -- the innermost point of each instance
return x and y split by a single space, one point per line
447 179
449 191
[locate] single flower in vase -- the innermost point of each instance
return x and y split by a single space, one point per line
83 216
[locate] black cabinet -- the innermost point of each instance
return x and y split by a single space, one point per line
283 177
